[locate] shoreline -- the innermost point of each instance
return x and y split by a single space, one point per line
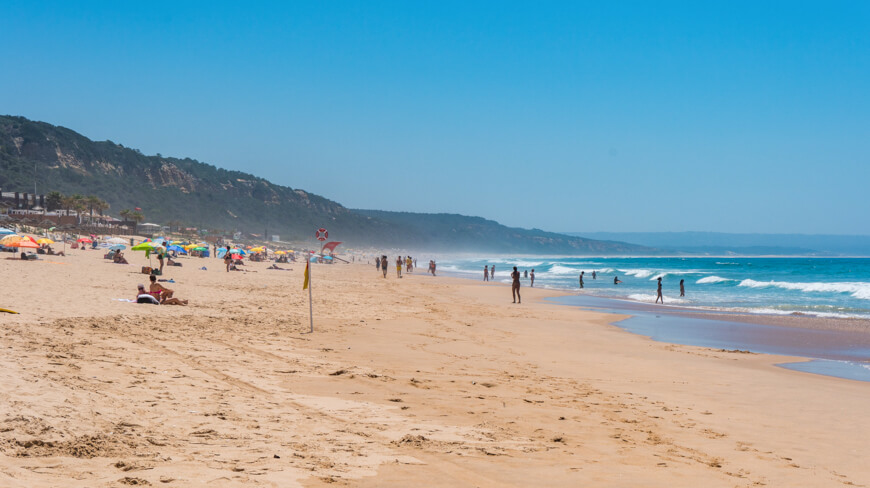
831 356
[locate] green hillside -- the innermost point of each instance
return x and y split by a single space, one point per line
201 195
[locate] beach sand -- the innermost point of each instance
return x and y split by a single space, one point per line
426 381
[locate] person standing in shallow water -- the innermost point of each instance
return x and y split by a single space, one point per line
515 286
581 279
533 277
682 288
593 274
659 292
486 273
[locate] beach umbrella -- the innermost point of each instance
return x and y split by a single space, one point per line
144 246
84 240
116 240
9 238
238 251
280 252
176 249
200 248
45 240
118 247
4 231
23 243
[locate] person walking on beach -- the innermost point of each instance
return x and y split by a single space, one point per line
659 292
160 253
399 266
492 272
682 288
515 286
486 273
581 279
378 264
533 277
384 265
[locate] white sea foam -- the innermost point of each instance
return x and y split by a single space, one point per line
777 311
558 269
638 273
514 262
713 279
638 297
665 274
858 289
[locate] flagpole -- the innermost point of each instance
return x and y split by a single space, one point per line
310 302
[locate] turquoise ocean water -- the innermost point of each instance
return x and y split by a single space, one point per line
825 287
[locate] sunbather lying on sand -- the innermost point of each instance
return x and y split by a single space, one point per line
156 298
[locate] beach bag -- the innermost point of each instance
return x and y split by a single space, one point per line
156 272
146 269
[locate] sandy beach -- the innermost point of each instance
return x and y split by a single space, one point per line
427 381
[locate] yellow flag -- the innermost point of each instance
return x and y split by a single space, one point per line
305 284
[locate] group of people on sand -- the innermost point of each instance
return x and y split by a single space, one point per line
406 262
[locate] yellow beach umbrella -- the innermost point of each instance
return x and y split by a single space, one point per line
5 241
280 252
45 240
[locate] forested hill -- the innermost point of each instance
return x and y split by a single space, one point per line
201 195
166 188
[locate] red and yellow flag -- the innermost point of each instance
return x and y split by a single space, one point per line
305 283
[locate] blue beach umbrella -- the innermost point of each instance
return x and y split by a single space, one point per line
178 249
4 231
118 247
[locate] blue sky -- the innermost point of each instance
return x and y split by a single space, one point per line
565 116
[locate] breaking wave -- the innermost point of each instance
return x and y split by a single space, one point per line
713 279
860 290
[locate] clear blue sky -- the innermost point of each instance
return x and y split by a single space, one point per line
565 116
